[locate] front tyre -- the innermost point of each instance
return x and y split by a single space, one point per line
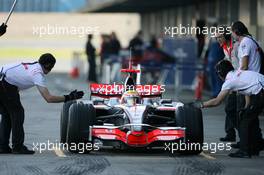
191 118
81 117
64 120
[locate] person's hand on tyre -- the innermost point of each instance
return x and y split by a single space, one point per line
3 29
196 104
74 95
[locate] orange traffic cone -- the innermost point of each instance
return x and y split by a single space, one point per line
199 86
75 73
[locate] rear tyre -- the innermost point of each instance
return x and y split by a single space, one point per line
64 120
191 118
81 117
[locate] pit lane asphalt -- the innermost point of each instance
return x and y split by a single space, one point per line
42 124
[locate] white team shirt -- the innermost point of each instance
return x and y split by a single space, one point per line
244 82
248 47
24 76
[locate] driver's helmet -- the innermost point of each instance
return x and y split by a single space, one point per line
130 97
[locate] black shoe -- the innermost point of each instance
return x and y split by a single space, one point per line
235 145
240 154
227 139
6 150
22 150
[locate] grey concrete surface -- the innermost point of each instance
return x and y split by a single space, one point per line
42 125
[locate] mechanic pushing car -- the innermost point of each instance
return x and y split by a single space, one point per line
21 76
248 83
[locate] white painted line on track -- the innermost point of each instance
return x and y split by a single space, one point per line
59 152
207 156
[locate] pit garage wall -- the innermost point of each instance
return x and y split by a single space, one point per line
251 12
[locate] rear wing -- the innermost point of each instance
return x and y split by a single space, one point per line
116 90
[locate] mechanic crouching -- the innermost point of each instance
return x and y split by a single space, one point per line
247 83
21 76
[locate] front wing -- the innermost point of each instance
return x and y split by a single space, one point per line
136 138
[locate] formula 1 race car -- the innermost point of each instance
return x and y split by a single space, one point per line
131 115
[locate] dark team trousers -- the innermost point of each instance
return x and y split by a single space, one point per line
249 131
12 113
231 115
92 70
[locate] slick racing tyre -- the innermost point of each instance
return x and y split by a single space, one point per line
81 116
191 118
64 120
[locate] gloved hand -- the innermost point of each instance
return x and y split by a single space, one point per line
196 104
74 95
3 29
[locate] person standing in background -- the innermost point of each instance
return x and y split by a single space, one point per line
104 51
90 52
215 54
115 44
200 38
136 45
249 59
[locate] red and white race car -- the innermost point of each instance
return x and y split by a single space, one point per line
131 115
